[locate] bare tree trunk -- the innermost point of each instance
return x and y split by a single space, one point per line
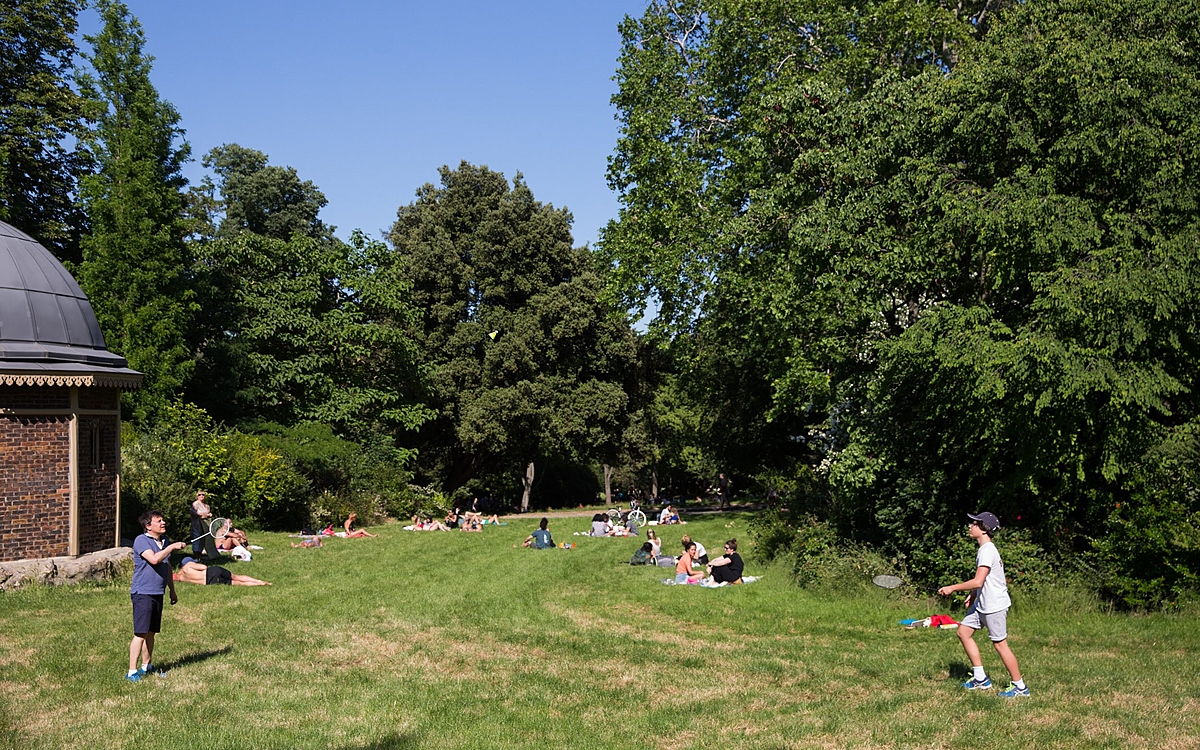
654 483
528 486
608 472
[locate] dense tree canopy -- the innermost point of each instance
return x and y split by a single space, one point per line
134 259
41 116
521 357
963 252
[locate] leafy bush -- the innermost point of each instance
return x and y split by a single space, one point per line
1148 554
276 478
346 477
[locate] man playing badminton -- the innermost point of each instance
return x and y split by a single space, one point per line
151 577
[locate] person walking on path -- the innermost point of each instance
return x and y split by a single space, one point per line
987 607
151 578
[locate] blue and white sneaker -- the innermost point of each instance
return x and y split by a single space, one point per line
1014 692
149 669
135 677
973 684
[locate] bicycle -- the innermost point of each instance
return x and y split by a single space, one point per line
639 518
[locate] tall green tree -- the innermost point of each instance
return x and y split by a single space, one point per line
247 194
134 258
41 117
974 272
297 325
522 357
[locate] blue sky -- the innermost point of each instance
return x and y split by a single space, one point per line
368 99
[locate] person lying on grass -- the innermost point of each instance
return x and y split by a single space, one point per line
540 538
353 533
644 555
728 567
427 524
309 542
472 523
683 567
191 571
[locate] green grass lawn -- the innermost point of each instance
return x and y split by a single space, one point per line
451 640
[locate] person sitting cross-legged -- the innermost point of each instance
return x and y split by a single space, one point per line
727 568
540 538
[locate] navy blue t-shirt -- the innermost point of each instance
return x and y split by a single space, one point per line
147 578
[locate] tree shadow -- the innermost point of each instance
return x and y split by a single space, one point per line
193 658
394 741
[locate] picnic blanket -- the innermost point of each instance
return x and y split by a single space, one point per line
708 583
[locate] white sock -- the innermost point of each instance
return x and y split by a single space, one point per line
132 672
1019 684
980 675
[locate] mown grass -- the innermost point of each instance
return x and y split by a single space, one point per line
450 640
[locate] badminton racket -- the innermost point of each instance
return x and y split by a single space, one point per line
218 529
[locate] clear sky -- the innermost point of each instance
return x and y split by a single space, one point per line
368 99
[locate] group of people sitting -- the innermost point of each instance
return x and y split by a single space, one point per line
668 515
725 569
602 525
466 520
310 539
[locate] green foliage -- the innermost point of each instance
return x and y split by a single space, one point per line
135 263
306 329
251 196
245 478
957 258
520 357
41 118
371 480
1147 552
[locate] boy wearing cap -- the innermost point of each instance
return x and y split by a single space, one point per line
987 607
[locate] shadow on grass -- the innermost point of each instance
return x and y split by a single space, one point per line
959 671
194 658
395 741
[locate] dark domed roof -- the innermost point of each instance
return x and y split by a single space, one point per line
45 318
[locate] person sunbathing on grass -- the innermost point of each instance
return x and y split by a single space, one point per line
309 542
430 524
353 533
211 575
472 524
233 538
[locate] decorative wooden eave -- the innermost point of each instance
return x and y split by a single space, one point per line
126 381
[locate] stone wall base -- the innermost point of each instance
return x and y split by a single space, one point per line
56 571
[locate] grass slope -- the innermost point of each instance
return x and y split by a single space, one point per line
450 640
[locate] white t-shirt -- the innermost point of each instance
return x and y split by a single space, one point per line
993 595
700 552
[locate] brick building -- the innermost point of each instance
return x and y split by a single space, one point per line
60 410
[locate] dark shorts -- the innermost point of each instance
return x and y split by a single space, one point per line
147 613
216 575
